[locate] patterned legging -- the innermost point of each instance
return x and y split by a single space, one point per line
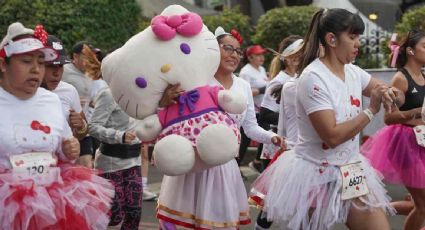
127 204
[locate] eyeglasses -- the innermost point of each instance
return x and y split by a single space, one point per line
228 49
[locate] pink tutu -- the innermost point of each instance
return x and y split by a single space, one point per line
395 153
69 197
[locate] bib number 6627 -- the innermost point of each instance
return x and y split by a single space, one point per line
355 180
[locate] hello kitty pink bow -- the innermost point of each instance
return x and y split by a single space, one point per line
166 27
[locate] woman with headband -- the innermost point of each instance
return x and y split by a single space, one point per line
398 150
271 110
40 188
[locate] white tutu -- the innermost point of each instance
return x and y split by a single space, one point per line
213 198
289 187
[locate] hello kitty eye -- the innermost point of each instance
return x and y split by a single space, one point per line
141 82
185 48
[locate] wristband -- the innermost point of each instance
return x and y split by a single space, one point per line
123 138
262 90
84 129
369 114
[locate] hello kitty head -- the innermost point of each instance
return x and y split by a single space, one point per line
176 48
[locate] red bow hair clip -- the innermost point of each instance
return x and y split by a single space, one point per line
237 35
41 34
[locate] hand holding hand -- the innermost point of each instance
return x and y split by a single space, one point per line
71 148
75 120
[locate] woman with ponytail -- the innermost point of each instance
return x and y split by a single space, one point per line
324 179
287 63
395 150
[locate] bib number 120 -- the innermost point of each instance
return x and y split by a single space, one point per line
36 169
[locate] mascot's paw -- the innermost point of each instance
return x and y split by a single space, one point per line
217 144
148 128
174 155
231 102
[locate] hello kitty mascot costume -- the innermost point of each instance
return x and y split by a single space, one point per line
194 133
196 139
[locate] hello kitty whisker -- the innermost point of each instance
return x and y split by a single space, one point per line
213 49
126 107
122 95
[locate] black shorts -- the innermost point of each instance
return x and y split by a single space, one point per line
86 146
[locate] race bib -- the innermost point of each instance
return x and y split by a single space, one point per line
420 134
353 181
30 165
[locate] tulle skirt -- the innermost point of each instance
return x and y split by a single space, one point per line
292 188
213 198
395 153
69 197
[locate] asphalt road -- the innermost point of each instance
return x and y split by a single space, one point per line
149 221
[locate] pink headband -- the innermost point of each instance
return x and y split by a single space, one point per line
166 28
395 48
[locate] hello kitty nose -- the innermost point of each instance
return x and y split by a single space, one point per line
165 68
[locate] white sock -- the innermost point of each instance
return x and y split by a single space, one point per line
145 182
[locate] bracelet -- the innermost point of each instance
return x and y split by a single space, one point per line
415 116
369 114
84 129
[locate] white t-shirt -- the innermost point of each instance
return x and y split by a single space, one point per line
82 84
287 125
257 78
269 102
69 98
33 125
247 119
319 89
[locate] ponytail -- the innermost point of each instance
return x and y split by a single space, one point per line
275 67
310 49
334 21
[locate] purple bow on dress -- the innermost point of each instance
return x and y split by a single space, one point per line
188 99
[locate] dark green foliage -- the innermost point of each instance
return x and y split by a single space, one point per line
279 23
105 23
230 19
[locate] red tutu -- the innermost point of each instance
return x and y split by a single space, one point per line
69 197
395 153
